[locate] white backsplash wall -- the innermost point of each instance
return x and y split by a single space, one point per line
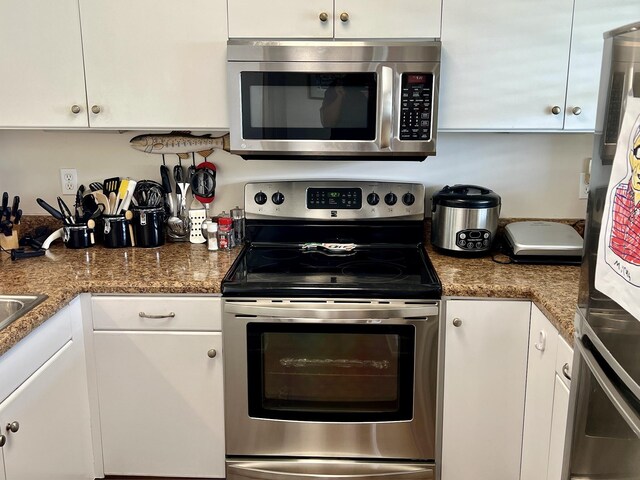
535 174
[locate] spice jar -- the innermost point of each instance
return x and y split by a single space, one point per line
225 232
212 236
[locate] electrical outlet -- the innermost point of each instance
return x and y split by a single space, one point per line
583 186
69 180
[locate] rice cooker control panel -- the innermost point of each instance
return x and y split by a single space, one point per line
473 239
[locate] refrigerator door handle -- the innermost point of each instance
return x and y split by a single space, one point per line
627 412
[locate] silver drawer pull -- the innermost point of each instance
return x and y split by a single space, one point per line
565 371
165 315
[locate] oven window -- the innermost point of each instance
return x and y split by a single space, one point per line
330 373
308 106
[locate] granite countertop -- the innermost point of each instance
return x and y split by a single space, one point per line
178 268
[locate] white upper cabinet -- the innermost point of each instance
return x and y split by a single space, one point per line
280 19
504 64
155 63
41 70
334 18
591 18
384 19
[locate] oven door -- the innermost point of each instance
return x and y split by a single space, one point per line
606 429
332 109
330 379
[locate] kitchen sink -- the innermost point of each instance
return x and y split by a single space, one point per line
13 307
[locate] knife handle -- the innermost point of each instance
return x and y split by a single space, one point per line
52 211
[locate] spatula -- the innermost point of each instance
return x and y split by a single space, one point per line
122 193
111 185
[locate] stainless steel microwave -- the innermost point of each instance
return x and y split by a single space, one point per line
374 100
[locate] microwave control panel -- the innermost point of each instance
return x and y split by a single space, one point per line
415 107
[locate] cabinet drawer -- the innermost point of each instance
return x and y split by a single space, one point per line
564 357
122 312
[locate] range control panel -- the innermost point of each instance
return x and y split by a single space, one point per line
473 239
334 200
416 106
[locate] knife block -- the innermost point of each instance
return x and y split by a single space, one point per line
11 241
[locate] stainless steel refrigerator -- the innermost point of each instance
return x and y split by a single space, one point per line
604 426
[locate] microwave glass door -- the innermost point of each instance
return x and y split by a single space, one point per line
308 106
330 372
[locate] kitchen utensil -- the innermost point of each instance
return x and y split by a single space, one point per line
52 211
203 182
91 223
95 186
17 217
112 203
101 199
66 213
543 243
128 215
15 205
79 209
122 192
5 202
131 186
111 185
54 236
183 187
148 193
464 219
196 218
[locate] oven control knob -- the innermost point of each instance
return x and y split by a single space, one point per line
373 199
277 198
390 198
408 198
260 198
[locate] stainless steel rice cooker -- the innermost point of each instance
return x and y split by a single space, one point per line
464 218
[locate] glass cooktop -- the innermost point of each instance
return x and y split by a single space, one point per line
386 271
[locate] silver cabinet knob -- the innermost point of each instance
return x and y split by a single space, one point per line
565 371
457 322
13 427
344 16
3 440
556 110
576 110
75 109
95 109
323 17
212 353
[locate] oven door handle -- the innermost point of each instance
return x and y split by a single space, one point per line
321 311
327 470
624 409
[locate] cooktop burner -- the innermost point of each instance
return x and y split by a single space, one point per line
388 271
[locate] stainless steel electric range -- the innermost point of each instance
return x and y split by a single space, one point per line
330 334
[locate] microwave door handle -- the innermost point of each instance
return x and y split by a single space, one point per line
385 107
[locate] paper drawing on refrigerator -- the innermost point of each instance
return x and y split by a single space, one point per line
618 264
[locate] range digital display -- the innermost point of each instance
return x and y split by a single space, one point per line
334 198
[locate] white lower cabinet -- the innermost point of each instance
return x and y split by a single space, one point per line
160 394
558 430
543 346
43 397
50 415
484 388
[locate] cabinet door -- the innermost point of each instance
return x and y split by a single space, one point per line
155 63
504 64
541 374
2 475
558 430
41 68
484 386
161 403
280 19
383 19
53 440
591 18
